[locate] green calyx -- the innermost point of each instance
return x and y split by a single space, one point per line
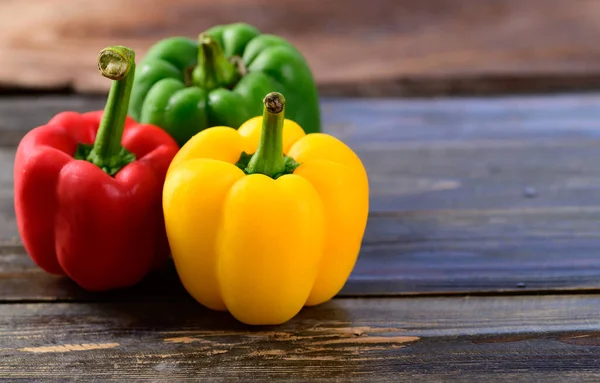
213 69
118 64
289 164
269 158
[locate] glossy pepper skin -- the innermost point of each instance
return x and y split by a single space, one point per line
264 235
88 189
185 86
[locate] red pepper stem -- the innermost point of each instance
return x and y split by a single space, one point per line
269 159
116 63
213 69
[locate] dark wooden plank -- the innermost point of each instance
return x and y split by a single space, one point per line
467 196
429 121
476 175
493 339
439 154
439 252
479 251
457 119
368 48
23 113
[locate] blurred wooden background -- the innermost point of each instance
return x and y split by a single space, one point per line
367 48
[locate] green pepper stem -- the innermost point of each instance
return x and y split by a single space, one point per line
268 159
213 69
116 63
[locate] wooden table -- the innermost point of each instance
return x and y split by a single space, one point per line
481 258
481 261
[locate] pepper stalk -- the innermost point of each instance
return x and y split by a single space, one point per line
268 158
116 63
213 69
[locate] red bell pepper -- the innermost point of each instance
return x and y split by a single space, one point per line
88 189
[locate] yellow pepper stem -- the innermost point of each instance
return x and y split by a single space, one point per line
268 159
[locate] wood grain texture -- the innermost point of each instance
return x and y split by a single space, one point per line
535 338
396 121
451 178
433 253
354 47
467 196
518 152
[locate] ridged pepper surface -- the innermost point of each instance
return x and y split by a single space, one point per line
185 85
265 219
88 189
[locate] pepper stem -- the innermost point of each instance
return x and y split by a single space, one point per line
268 159
116 63
213 69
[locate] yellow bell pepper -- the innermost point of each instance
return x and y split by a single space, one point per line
263 235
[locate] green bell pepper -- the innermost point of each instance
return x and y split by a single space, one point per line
185 86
